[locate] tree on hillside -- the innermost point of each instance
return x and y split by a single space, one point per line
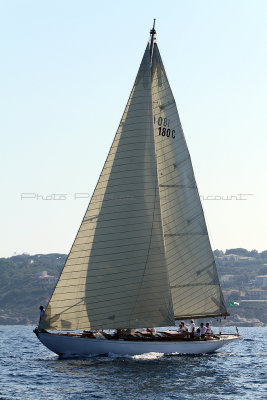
254 253
239 252
263 254
263 270
218 253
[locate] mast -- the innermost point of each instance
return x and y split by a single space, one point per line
152 38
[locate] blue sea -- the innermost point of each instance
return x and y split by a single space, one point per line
30 371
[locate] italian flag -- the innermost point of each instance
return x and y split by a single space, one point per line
233 303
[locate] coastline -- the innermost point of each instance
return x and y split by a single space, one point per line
236 321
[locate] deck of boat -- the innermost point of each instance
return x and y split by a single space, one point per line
141 336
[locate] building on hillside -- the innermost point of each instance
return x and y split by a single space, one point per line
228 258
44 277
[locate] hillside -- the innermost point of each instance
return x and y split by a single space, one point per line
28 281
21 288
243 277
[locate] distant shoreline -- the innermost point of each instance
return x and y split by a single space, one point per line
226 325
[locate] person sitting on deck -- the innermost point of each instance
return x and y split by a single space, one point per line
197 334
122 333
117 333
203 330
182 327
209 330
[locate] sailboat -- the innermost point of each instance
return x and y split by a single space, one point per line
142 256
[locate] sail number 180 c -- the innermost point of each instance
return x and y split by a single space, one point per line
164 129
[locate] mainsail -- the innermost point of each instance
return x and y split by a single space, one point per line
192 270
142 255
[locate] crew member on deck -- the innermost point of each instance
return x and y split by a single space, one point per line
42 312
192 328
209 330
197 334
203 330
182 327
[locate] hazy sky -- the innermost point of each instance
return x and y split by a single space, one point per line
67 68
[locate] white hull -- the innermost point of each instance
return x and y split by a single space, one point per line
65 345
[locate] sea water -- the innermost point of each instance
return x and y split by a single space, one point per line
30 371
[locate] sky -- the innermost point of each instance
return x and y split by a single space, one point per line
67 69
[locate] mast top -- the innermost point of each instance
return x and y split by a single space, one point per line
152 38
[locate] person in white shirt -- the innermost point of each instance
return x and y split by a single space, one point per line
209 330
192 328
182 327
203 330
